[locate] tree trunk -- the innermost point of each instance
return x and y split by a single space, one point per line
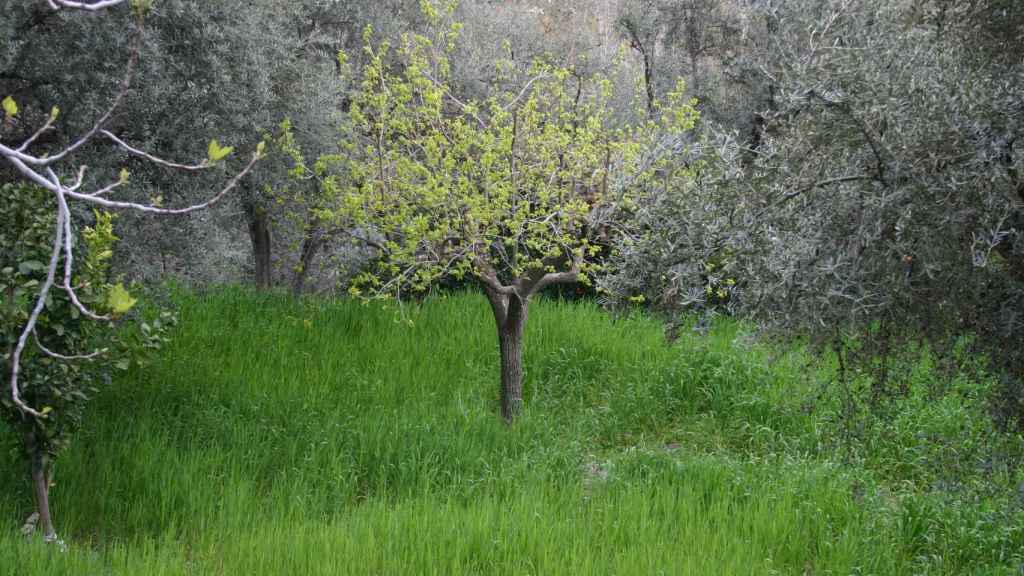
649 81
259 234
40 472
510 316
312 240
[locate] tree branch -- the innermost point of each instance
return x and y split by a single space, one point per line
87 6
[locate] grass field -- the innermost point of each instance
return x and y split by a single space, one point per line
275 437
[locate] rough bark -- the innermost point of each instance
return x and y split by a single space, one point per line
510 311
40 473
259 234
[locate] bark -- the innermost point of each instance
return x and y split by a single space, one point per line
259 234
40 473
648 61
510 311
312 240
649 82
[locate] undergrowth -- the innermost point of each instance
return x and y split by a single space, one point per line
318 437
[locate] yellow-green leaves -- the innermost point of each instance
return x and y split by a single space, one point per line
123 177
10 107
119 300
506 185
54 113
141 7
215 152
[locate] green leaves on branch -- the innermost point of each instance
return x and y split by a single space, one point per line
515 185
10 107
62 387
215 152
119 300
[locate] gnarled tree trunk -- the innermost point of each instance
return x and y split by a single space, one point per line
510 304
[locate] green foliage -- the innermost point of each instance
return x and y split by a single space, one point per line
324 438
58 388
10 107
216 153
119 300
518 184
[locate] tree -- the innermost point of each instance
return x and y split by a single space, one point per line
49 301
700 40
884 192
62 384
517 191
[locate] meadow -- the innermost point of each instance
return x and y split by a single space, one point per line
332 437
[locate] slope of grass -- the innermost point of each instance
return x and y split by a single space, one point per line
275 437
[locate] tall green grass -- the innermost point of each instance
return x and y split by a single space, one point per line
316 437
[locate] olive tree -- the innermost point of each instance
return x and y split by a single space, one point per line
885 187
54 298
517 191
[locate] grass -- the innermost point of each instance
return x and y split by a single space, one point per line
275 437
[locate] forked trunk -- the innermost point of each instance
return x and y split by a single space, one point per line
510 316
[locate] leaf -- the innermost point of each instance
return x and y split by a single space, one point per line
46 410
54 114
119 300
260 148
124 175
216 153
29 266
10 107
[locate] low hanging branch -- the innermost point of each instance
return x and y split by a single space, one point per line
90 6
41 170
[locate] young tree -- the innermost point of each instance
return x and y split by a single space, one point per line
517 191
50 301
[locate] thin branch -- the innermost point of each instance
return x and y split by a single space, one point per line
71 358
102 191
33 318
189 167
151 209
523 91
88 6
45 128
453 98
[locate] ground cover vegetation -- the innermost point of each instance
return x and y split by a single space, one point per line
333 439
817 203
